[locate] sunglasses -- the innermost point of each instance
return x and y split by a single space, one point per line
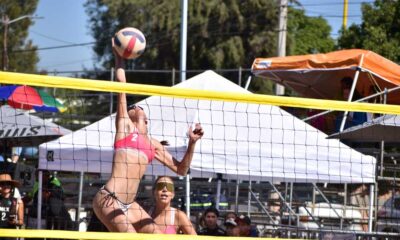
161 185
5 184
133 106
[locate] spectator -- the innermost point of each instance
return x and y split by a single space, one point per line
169 219
11 210
57 215
359 197
10 159
230 215
53 207
95 225
353 118
231 225
246 229
211 227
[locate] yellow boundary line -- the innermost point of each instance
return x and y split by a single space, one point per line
30 233
151 90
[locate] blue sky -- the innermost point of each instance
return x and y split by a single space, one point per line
65 22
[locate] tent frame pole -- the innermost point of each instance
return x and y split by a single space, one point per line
237 196
217 201
248 83
353 88
78 211
371 206
40 197
249 199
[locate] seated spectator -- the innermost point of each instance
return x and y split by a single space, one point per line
246 229
232 228
353 118
11 210
317 122
211 227
230 215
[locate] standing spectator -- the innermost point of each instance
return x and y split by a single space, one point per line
53 207
210 221
246 229
170 220
57 214
11 210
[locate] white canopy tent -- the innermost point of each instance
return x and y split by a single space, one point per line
241 141
20 128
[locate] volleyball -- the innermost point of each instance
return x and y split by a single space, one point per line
129 42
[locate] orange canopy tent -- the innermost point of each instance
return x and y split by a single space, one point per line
319 75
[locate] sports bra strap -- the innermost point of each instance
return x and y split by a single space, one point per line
172 222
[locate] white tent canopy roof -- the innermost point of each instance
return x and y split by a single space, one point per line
241 141
385 128
19 128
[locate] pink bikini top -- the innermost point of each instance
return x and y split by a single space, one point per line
171 228
137 141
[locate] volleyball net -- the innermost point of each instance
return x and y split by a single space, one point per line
258 157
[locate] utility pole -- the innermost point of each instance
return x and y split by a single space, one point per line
280 90
345 11
6 21
184 16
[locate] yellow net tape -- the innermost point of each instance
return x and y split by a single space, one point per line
151 90
22 233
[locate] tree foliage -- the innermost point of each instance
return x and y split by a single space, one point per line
221 34
21 52
307 35
378 32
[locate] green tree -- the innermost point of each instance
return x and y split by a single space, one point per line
221 34
307 35
21 52
378 32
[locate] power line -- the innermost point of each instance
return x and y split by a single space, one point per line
55 47
51 38
332 4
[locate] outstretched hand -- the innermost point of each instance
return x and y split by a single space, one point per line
196 133
119 61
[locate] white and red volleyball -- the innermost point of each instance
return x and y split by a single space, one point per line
129 42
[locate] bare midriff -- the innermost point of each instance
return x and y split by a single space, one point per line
129 167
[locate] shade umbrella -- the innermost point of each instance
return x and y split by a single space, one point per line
385 128
28 98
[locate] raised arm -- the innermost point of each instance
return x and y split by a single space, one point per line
122 117
183 166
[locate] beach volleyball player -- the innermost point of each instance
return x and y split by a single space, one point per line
115 204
